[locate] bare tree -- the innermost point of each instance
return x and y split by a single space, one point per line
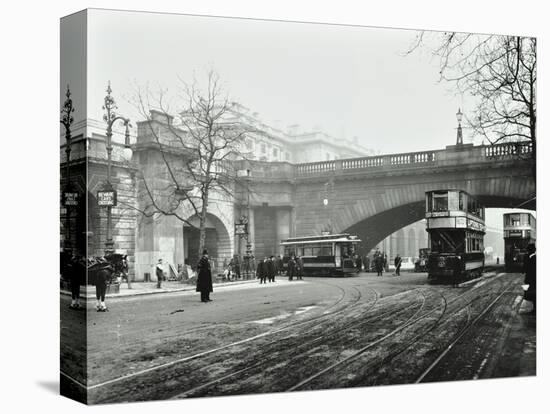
500 72
197 144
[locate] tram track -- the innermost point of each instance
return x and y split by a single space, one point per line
285 350
342 364
301 350
466 329
210 352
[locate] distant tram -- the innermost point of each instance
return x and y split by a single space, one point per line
520 229
326 255
456 226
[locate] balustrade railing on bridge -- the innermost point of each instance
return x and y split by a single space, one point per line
445 157
366 162
508 149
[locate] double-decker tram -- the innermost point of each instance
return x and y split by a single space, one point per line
455 222
326 255
520 229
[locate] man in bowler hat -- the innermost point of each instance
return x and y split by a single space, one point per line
204 277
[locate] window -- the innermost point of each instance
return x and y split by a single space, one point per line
275 153
328 156
287 156
440 202
264 148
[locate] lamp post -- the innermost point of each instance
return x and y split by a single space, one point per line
244 226
459 129
67 120
110 118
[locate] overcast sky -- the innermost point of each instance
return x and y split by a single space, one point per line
346 81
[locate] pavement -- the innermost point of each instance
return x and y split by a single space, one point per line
519 355
150 288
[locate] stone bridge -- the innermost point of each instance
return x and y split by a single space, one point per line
375 196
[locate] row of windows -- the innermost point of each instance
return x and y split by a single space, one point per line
474 242
452 201
284 155
321 250
519 219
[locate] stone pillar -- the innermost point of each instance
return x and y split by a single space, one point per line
283 216
251 230
292 222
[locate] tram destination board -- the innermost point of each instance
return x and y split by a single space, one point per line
107 198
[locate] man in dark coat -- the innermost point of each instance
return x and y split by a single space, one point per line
103 277
204 277
69 272
236 267
397 263
291 268
261 270
271 269
380 264
299 267
530 269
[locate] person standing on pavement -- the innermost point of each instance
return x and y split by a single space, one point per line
271 269
379 264
159 270
299 268
397 263
103 277
291 268
261 270
235 267
204 277
69 272
530 269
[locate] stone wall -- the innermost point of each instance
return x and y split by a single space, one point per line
123 216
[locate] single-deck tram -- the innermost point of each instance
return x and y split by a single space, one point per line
326 255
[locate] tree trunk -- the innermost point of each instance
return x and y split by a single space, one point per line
202 222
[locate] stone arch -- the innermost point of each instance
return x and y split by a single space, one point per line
375 228
372 230
218 240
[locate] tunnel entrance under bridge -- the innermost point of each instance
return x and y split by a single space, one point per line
217 242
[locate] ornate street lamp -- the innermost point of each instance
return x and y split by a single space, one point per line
243 226
108 197
459 129
67 120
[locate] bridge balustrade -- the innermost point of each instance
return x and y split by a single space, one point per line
366 162
508 149
403 160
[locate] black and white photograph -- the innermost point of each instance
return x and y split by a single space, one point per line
268 211
270 207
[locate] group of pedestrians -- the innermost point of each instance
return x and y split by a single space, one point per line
295 268
266 270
